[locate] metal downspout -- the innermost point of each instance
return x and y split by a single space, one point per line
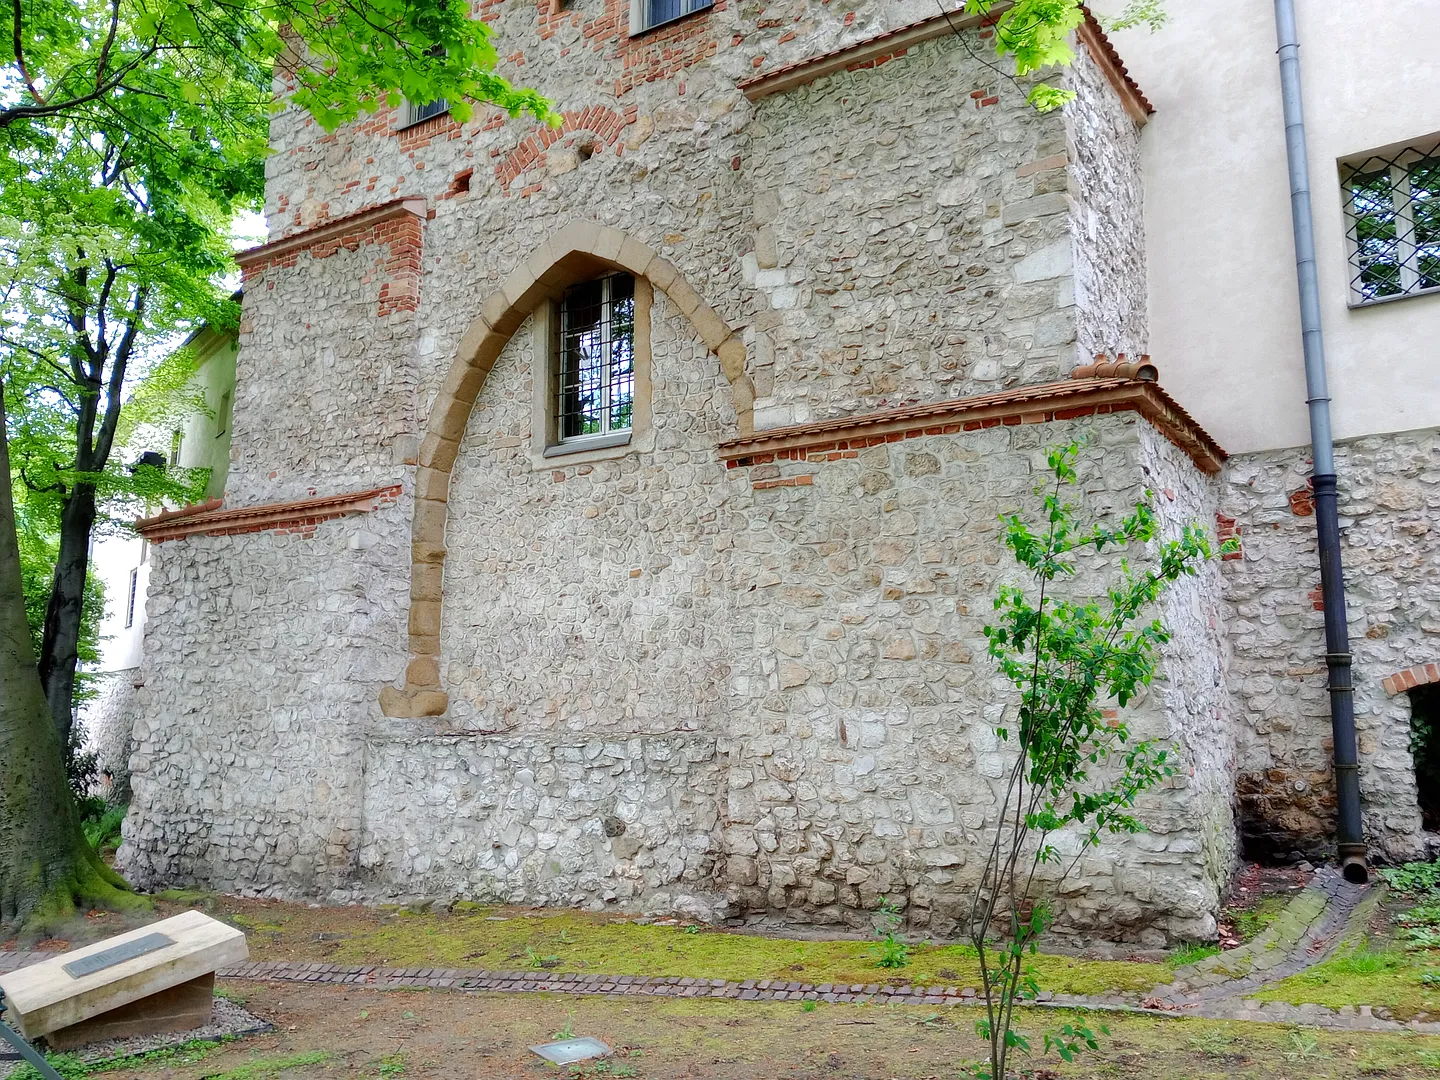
1350 837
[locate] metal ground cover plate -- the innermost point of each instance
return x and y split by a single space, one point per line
568 1051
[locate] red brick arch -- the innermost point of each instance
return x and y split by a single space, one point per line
1419 675
579 250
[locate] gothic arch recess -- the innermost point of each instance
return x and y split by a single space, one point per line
577 251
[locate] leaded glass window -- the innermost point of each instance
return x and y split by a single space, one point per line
597 358
1393 207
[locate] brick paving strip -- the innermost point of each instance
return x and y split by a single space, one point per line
1322 916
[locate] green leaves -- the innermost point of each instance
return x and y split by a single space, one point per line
1036 33
1076 653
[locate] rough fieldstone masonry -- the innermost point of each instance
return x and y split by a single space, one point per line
1277 670
734 666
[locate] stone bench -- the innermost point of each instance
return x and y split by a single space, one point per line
158 978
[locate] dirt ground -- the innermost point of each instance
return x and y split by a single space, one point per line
430 1035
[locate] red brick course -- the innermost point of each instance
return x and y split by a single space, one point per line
1227 529
833 440
397 226
1419 675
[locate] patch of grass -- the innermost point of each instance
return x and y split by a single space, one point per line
893 951
1393 980
1303 1046
188 897
263 1068
392 1066
1191 953
188 1053
470 907
247 923
578 941
67 1065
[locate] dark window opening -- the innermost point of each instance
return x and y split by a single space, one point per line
1425 749
597 357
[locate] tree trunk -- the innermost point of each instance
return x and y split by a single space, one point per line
46 867
64 614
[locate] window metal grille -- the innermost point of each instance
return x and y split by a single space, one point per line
658 12
419 111
1392 204
597 357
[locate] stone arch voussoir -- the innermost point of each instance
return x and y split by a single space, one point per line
577 251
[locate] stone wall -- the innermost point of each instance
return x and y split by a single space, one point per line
672 684
325 396
867 764
108 736
544 818
1107 220
1390 549
264 653
899 249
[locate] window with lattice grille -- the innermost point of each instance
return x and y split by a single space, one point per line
417 112
1392 203
597 358
648 14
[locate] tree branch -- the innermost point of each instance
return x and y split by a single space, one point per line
18 15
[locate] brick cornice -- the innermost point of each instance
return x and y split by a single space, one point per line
207 519
1042 403
329 236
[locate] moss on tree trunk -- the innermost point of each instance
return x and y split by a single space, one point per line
47 870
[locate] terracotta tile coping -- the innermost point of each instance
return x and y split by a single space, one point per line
801 72
1104 54
1037 404
208 519
329 230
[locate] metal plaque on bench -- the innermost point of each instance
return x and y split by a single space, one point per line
88 965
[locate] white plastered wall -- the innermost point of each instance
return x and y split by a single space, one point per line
1224 317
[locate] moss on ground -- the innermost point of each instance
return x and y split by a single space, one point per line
572 941
509 939
1393 980
1251 923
